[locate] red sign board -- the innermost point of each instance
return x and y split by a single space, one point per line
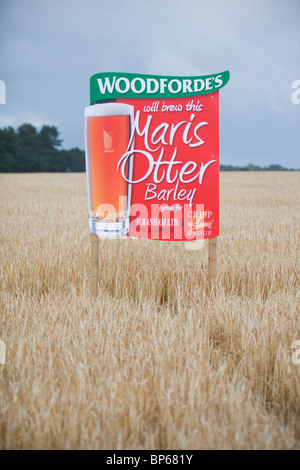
152 156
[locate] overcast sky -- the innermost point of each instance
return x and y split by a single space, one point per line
49 50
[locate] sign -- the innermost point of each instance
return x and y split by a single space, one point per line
152 155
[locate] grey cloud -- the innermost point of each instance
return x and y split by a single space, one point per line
49 50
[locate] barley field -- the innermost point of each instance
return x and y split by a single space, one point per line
157 361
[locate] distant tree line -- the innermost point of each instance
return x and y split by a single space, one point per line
29 150
251 167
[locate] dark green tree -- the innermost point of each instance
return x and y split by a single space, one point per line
49 155
8 149
28 149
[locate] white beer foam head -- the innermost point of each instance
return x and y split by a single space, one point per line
109 109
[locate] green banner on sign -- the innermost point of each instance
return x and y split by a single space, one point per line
111 86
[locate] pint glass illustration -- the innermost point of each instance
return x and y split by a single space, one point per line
107 136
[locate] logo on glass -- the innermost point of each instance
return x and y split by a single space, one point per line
107 141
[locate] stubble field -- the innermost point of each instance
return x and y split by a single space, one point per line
157 361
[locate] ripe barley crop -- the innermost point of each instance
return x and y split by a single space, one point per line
157 361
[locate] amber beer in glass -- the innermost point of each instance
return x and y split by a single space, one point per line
107 128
